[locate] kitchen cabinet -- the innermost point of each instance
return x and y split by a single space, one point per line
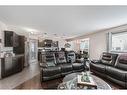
11 65
10 39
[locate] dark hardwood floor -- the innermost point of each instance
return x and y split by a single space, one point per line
35 83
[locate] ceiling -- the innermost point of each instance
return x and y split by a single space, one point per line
64 21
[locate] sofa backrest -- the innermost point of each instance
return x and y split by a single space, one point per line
109 58
71 57
50 58
60 57
122 62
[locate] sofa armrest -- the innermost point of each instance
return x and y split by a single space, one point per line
95 61
43 65
79 60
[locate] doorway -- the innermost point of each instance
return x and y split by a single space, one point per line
33 49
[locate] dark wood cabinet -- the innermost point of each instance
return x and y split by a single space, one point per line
6 67
47 43
11 39
18 63
20 48
15 41
11 65
8 38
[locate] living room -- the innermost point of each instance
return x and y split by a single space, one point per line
63 47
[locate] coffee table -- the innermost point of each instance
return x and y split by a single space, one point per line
70 82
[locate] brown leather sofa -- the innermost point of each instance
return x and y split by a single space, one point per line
112 67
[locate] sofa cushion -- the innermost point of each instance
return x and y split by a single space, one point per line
78 66
98 67
50 58
122 62
50 63
66 68
71 57
60 57
51 71
46 78
116 73
108 58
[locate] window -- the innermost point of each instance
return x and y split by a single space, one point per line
119 42
84 44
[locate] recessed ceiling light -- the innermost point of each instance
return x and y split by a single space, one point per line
32 32
30 29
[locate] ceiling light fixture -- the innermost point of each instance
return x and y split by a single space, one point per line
31 30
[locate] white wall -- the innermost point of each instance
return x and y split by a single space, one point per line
97 45
98 42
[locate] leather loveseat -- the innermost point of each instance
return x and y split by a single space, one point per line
60 66
112 67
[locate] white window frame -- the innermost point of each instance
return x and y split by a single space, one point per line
109 45
83 40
